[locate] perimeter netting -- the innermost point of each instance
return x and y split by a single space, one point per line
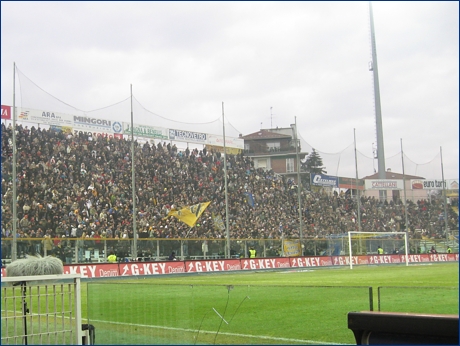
340 164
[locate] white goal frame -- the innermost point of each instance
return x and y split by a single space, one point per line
51 309
377 233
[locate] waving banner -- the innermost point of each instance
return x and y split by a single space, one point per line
189 214
292 248
218 222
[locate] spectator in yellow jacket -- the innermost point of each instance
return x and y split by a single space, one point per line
112 258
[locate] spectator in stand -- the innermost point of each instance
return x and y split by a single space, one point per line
77 183
172 256
48 245
98 244
59 252
112 258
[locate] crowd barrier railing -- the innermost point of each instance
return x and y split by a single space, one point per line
97 250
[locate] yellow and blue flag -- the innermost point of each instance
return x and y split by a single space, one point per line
189 214
250 198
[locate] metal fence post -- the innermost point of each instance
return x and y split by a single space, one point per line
371 300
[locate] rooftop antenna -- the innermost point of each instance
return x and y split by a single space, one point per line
271 117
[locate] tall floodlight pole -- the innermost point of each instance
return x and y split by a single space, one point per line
446 223
378 110
405 198
13 180
133 180
357 189
227 230
299 182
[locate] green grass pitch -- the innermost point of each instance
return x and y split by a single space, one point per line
270 307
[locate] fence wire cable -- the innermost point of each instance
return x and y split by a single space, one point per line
229 288
199 328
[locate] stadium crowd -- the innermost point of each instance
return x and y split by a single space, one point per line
75 185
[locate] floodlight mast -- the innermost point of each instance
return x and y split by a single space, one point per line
378 110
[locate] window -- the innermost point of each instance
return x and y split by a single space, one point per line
273 146
290 165
262 164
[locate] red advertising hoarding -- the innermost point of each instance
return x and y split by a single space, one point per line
126 269
264 263
6 112
212 265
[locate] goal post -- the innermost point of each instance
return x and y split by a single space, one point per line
41 309
375 236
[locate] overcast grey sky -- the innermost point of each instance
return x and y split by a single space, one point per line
308 60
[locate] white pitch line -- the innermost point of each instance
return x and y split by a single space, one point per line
223 319
312 342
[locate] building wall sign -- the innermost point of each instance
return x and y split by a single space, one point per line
145 131
229 141
187 136
43 117
384 184
433 184
324 180
6 112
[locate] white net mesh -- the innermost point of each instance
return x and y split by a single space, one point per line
337 164
41 310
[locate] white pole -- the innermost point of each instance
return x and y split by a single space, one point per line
404 182
357 190
133 181
446 223
405 206
14 251
349 250
299 183
227 231
78 309
406 236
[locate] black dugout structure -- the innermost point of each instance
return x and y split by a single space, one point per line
390 328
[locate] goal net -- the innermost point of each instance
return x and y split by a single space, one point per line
42 309
364 243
